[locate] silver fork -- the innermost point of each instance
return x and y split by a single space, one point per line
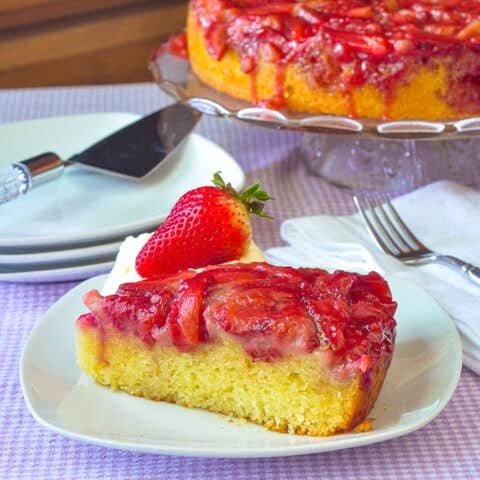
394 237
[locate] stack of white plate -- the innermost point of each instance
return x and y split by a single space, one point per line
71 227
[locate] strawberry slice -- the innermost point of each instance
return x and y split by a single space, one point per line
371 44
208 225
216 40
360 12
184 316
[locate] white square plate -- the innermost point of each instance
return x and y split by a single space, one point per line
423 375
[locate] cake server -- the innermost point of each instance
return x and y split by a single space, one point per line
132 152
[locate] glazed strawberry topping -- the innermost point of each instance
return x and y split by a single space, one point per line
272 311
353 42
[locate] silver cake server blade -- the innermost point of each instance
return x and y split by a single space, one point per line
132 152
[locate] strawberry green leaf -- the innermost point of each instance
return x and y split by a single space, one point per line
253 197
249 192
262 195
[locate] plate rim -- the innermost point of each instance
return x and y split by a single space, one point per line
324 444
65 273
47 257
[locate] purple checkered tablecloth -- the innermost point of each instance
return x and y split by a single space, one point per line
448 447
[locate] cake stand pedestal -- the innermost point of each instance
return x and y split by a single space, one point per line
390 165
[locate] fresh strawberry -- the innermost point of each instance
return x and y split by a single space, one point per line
208 225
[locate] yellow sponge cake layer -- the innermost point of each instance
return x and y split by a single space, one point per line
294 394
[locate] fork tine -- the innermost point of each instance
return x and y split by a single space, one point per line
386 248
395 236
384 224
409 236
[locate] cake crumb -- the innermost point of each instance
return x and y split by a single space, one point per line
365 426
240 421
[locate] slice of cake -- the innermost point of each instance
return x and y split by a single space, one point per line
363 58
296 350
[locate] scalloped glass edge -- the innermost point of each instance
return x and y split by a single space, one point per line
175 77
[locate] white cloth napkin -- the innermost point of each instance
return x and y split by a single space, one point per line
444 215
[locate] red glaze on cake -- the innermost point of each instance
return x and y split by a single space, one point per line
343 45
272 311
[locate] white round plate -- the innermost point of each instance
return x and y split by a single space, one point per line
422 378
83 205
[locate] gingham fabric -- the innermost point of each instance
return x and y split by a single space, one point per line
448 447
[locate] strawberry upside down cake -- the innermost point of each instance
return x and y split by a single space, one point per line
388 59
296 350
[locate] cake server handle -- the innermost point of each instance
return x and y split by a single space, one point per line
20 177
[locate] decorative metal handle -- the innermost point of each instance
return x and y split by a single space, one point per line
13 183
20 177
471 271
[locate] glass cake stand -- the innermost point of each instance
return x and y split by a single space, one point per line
391 165
361 154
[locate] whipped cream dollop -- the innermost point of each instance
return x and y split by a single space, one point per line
123 270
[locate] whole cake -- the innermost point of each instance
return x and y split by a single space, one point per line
390 59
296 350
